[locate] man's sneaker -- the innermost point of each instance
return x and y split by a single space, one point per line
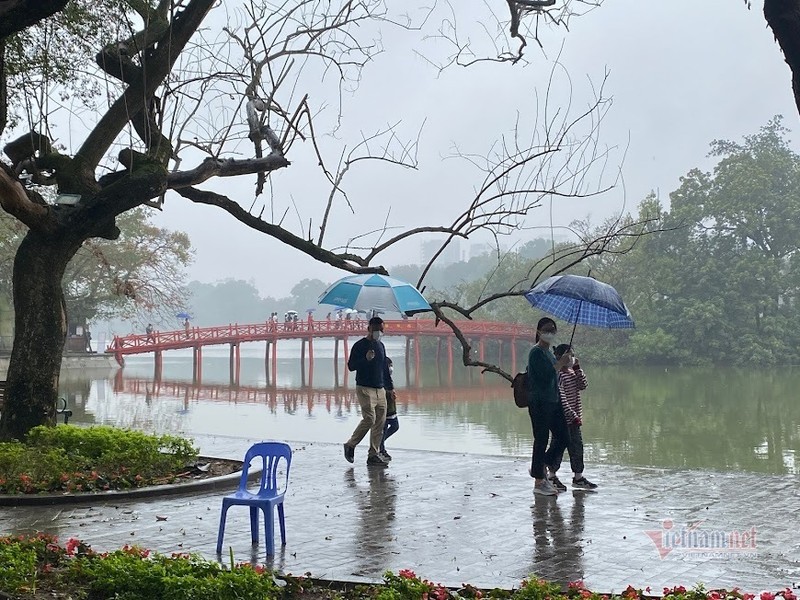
557 484
349 453
385 456
583 484
544 488
376 461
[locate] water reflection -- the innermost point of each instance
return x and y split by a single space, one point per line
677 418
558 548
374 540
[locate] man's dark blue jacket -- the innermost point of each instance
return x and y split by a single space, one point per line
370 373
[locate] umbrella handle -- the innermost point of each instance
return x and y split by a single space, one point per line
575 326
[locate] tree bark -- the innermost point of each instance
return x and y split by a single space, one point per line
783 17
40 331
16 15
3 89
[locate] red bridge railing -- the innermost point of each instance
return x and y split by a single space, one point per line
194 337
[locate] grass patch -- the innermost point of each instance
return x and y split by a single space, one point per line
85 459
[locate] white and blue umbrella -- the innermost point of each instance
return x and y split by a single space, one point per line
581 300
379 293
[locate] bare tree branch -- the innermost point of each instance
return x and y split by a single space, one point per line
347 262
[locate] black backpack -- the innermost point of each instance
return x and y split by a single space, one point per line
520 387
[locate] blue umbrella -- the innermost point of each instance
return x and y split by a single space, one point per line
375 293
581 300
183 315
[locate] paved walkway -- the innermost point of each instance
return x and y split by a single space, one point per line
457 518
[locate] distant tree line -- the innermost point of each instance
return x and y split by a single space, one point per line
719 284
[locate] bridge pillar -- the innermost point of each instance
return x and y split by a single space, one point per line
481 352
275 361
513 355
158 365
471 370
346 358
266 361
336 360
450 360
311 361
408 359
197 364
416 361
235 363
500 353
303 363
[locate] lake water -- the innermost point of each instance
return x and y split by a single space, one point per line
718 419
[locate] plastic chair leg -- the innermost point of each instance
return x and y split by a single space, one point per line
269 529
254 524
221 533
282 524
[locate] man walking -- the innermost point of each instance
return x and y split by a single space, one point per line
368 360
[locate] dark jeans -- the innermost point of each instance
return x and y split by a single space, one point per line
575 449
389 429
546 418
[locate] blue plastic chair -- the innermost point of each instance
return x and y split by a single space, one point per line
266 498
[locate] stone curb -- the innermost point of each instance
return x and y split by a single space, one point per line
172 489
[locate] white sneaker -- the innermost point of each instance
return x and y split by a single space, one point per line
545 488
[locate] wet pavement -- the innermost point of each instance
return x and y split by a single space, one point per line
456 518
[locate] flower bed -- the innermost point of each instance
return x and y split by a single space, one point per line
39 567
80 459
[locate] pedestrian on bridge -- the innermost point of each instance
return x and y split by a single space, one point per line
368 360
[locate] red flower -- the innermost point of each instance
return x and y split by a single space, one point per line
746 596
586 594
767 596
441 593
789 594
576 585
630 592
72 546
407 574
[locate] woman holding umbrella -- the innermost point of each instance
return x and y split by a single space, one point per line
544 406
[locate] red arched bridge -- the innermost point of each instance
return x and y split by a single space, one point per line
307 331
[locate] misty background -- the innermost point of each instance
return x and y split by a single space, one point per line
681 74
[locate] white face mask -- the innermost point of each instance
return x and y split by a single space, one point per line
391 369
548 337
571 362
377 335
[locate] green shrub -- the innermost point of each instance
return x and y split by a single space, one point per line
133 574
68 458
22 560
17 567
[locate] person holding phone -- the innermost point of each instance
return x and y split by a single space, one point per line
571 382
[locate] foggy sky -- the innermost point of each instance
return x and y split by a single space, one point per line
682 73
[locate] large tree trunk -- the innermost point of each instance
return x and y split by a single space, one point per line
783 17
40 331
3 90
